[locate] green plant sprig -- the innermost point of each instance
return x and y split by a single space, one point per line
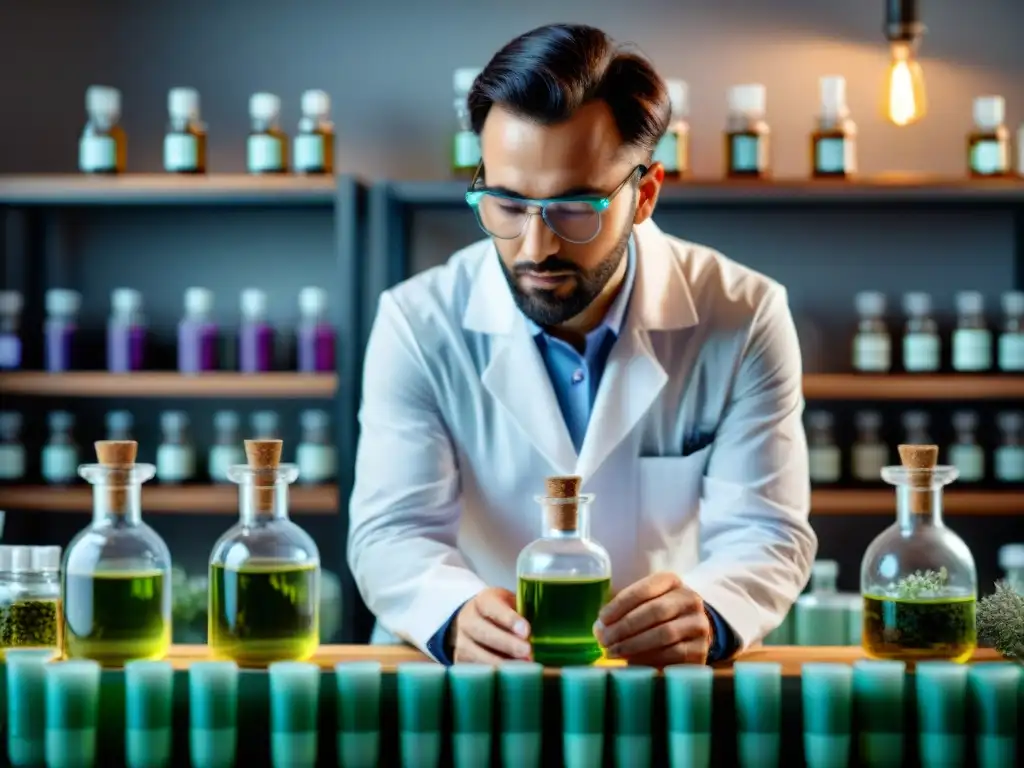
1000 622
921 583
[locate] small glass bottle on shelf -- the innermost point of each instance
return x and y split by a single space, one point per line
824 457
1009 454
965 454
673 150
265 570
315 455
972 340
30 612
12 452
175 456
988 145
821 616
126 332
316 336
59 329
10 321
314 141
185 140
197 333
227 448
1011 561
255 337
267 145
922 348
869 453
747 136
466 144
119 425
872 346
918 578
564 578
60 454
915 427
834 141
103 147
1011 337
265 425
116 587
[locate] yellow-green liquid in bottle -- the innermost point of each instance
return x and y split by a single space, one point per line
117 616
264 613
941 628
561 613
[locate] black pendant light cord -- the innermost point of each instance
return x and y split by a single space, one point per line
902 21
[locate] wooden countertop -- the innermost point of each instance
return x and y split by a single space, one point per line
790 656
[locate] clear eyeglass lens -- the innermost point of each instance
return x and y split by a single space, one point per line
506 219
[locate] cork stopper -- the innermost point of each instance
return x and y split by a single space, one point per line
265 457
119 456
563 517
922 459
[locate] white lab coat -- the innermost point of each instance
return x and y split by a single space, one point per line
460 426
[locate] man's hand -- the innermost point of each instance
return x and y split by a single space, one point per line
488 630
656 622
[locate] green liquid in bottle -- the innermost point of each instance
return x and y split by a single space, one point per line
264 613
920 629
116 617
561 613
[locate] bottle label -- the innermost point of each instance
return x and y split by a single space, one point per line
467 150
868 461
181 152
10 351
667 152
1011 352
97 153
1010 463
12 462
969 460
990 157
824 464
264 153
316 462
59 463
174 463
921 352
872 352
309 152
749 154
835 155
972 349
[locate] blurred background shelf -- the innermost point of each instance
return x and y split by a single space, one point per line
190 499
846 386
883 502
169 384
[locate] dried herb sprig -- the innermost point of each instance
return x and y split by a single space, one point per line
921 583
1000 622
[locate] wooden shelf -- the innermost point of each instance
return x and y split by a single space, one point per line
168 384
883 502
909 386
188 499
167 189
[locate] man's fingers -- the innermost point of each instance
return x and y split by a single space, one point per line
662 635
469 651
498 608
635 594
497 639
660 610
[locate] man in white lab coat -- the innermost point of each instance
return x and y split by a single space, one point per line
578 339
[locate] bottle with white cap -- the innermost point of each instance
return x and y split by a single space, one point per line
922 348
316 336
965 454
175 456
103 146
265 425
31 611
1011 561
255 336
119 425
1009 454
267 145
197 333
821 615
12 452
972 340
834 142
59 463
226 450
824 458
872 346
869 452
747 148
673 151
988 146
315 455
185 140
10 322
59 329
314 142
126 332
466 145
1011 336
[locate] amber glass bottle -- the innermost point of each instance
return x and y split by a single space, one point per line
103 147
834 142
988 145
747 149
185 142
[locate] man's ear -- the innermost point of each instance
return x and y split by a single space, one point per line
647 192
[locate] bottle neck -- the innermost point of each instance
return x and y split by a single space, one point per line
116 500
262 499
918 507
566 521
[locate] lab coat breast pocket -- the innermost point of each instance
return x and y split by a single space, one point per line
670 491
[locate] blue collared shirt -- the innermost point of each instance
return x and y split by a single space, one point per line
575 377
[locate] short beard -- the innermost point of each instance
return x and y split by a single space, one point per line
545 307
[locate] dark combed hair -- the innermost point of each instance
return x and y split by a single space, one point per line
547 74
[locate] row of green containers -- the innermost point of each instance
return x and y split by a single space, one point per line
73 714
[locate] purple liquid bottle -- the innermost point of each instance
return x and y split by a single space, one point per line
10 341
62 308
126 332
316 335
255 337
197 333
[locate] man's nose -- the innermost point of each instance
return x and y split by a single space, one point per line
538 241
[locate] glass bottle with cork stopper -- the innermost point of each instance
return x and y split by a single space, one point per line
747 149
673 151
103 147
564 578
265 570
834 142
988 145
314 142
918 579
116 583
185 140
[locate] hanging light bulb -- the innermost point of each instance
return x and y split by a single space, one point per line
905 101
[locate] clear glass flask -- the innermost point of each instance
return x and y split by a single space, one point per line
922 347
918 578
30 597
965 454
872 345
821 616
564 578
265 570
116 584
316 456
60 455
